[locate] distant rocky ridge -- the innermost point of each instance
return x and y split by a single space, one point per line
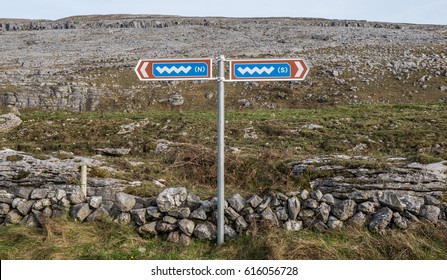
85 63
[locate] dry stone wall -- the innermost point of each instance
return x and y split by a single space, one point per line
182 216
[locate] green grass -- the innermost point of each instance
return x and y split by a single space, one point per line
416 132
107 240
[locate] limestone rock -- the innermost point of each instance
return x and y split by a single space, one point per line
174 237
328 199
125 202
39 194
41 204
13 217
139 216
8 122
23 192
240 224
231 214
334 223
193 201
95 201
294 207
198 214
293 225
399 221
24 207
412 204
169 220
205 231
153 213
281 214
390 200
381 219
310 203
181 212
254 201
316 195
99 214
186 226
118 152
431 213
368 207
76 196
304 194
358 220
149 228
4 209
264 204
237 202
6 197
80 211
344 209
124 218
171 198
323 211
269 217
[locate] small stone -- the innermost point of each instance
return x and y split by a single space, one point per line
229 232
205 231
99 214
430 200
169 220
310 203
334 223
139 216
198 214
400 221
171 198
317 195
293 225
193 201
149 228
30 221
304 194
269 217
124 218
60 194
431 213
65 202
39 194
80 211
390 200
240 224
4 209
264 204
125 202
306 214
246 211
328 199
181 212
185 240
186 226
40 216
206 205
323 212
237 202
344 209
6 197
281 196
95 201
275 202
368 207
254 201
13 217
252 218
23 192
41 204
294 207
153 213
412 204
358 220
76 196
174 237
231 214
381 219
282 214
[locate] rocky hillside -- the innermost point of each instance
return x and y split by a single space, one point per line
86 62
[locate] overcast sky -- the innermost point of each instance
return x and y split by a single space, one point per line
411 11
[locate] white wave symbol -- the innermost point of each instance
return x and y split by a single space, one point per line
251 71
173 69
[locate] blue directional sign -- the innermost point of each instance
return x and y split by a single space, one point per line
174 69
272 70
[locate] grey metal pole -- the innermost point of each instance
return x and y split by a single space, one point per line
220 150
84 179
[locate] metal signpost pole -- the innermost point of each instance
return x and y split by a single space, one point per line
220 149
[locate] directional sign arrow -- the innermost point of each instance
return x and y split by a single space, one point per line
268 70
174 69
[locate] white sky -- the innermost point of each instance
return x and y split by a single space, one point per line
410 11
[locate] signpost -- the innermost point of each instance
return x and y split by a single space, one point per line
240 70
174 69
268 70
